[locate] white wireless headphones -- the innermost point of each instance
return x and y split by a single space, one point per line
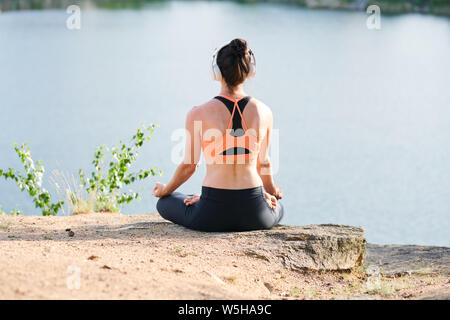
217 75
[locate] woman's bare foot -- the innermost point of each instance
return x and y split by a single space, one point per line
190 200
271 200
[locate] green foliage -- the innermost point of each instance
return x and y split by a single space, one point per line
16 212
13 212
102 191
106 181
31 182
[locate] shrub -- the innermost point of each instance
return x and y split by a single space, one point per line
31 182
101 192
106 182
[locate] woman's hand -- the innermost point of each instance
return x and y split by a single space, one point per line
278 193
190 200
271 200
158 190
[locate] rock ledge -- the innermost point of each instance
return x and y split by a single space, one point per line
312 247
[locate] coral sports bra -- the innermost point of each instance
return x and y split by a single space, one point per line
239 144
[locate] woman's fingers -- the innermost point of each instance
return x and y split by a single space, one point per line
279 193
158 189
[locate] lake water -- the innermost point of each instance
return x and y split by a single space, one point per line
363 115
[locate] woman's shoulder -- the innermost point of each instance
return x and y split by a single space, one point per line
201 110
213 102
261 107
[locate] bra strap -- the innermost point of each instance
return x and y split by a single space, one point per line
230 122
236 106
242 117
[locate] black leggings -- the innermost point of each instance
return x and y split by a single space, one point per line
222 210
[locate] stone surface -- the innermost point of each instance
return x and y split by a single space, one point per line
299 248
313 247
405 259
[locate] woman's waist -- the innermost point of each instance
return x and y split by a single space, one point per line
237 169
232 179
231 195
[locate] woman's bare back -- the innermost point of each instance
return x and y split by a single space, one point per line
214 115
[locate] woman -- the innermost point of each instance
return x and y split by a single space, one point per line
234 132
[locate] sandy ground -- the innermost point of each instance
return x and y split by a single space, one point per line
112 256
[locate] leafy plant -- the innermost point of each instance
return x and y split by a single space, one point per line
102 191
31 182
107 180
13 212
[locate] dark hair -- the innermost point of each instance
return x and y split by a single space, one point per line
234 62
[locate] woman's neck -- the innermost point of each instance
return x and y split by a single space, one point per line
235 93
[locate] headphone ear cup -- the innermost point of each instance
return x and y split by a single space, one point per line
252 72
217 75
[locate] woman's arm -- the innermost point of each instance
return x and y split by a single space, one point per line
264 165
191 157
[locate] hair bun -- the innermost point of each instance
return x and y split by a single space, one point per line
238 47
